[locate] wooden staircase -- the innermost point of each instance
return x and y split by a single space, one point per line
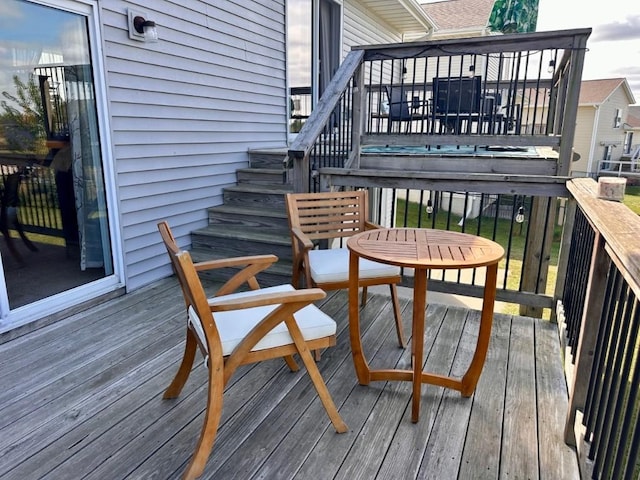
251 221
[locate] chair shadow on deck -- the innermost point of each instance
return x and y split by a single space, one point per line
233 329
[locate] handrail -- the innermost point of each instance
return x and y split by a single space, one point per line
602 317
314 127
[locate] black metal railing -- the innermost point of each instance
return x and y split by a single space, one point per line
603 325
32 191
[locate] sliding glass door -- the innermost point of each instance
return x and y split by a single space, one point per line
53 206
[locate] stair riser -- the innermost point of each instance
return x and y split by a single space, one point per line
220 247
260 177
265 279
266 160
263 223
251 199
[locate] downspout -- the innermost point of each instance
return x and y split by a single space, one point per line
592 148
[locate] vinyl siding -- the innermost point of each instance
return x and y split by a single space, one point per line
602 116
362 27
185 110
582 142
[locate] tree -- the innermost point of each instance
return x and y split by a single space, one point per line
22 122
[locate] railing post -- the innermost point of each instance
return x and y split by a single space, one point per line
535 266
589 326
570 111
359 108
301 173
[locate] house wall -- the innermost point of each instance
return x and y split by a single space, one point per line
583 139
185 110
362 27
604 132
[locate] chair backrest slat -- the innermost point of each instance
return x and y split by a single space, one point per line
328 215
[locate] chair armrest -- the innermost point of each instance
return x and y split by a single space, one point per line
371 226
265 260
306 295
306 243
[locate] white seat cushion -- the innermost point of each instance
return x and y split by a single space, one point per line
332 265
233 326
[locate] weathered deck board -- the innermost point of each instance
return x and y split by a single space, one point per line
82 399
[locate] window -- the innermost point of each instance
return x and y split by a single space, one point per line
617 121
628 140
606 157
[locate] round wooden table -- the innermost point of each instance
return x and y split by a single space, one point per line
423 249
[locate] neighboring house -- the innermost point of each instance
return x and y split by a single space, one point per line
601 132
157 129
631 146
459 18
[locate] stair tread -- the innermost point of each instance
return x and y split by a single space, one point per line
269 189
267 211
261 170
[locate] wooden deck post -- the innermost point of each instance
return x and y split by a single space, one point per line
535 268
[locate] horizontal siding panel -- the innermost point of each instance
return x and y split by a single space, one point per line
222 162
213 77
211 86
146 212
185 139
183 187
129 124
149 151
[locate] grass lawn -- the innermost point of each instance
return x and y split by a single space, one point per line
632 198
510 235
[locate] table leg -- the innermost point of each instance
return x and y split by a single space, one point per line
417 338
471 377
359 362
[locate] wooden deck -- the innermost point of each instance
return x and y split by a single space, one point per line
82 399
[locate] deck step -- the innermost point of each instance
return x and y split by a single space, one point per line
213 242
249 195
267 158
251 221
237 241
256 217
260 176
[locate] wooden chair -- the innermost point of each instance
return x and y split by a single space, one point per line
248 267
331 217
246 327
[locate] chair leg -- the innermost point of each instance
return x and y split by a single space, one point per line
176 385
396 313
212 416
363 298
291 363
316 378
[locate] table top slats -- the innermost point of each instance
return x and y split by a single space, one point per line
426 248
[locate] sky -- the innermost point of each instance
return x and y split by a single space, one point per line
613 48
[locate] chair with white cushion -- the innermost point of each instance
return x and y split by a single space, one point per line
247 327
332 217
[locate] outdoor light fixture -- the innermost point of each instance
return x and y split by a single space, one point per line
551 67
520 215
472 70
140 28
429 208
